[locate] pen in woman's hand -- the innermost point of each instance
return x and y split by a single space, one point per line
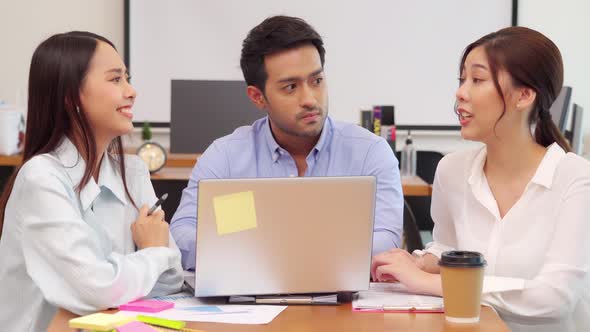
158 203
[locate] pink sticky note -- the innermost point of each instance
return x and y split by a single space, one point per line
147 306
136 327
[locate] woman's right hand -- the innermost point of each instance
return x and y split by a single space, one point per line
150 231
386 258
398 265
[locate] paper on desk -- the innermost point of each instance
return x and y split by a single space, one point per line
394 297
189 308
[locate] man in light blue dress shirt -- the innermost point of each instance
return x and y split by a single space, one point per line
282 61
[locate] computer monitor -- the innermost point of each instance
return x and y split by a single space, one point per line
559 109
577 132
203 111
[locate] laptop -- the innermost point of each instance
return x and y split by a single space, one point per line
268 236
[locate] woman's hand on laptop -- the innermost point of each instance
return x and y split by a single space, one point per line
398 265
387 258
150 231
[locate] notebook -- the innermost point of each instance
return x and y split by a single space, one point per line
394 297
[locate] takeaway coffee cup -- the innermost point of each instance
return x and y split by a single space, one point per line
462 281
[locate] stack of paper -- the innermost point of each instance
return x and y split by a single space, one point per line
394 297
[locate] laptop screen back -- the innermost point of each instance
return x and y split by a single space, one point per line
284 235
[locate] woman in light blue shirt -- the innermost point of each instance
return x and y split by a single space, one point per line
73 233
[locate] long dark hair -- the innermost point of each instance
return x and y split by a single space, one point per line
533 61
58 68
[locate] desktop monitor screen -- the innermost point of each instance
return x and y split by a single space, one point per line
202 111
559 109
577 134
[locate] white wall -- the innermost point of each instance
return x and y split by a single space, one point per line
382 52
25 23
567 24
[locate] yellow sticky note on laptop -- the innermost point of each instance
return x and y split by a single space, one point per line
235 212
99 321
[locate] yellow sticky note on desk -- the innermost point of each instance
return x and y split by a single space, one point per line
235 212
99 321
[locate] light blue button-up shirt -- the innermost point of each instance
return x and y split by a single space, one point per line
61 250
342 150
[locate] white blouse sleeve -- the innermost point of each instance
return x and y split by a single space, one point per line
65 259
554 291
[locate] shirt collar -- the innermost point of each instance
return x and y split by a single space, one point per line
75 166
275 148
543 176
476 172
546 170
325 135
110 178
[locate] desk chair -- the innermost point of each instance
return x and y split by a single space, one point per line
5 174
427 161
426 164
174 189
411 239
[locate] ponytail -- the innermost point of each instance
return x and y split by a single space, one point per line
547 133
532 60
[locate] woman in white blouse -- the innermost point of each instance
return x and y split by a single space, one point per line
522 200
75 229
